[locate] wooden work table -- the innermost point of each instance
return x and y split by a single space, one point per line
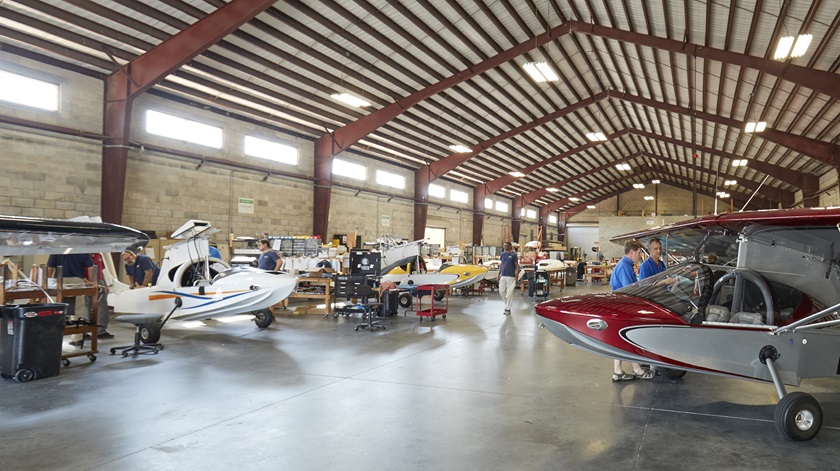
326 295
599 273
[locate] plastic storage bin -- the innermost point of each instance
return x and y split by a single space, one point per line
30 341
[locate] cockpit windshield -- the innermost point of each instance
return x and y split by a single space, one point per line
684 289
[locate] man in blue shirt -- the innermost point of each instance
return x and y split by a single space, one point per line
623 274
508 269
269 260
140 269
653 264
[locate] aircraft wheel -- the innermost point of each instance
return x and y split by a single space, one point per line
670 373
404 300
798 416
439 295
263 318
23 375
150 333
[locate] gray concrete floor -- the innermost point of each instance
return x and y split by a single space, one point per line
478 390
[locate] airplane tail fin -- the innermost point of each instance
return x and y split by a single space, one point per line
110 275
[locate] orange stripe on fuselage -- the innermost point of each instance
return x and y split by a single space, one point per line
158 297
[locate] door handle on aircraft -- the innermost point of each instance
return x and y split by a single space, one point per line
596 324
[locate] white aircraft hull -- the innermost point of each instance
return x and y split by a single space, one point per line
235 292
551 265
419 279
185 275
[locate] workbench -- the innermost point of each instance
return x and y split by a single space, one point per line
313 283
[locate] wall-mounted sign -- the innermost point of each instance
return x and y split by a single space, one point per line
386 220
246 206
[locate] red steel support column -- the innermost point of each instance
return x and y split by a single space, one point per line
810 187
147 70
479 194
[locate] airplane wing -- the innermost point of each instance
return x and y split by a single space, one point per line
796 228
30 236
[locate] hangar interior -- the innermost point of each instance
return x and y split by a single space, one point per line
155 112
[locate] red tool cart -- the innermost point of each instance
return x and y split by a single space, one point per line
438 305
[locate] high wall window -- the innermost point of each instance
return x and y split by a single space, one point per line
183 129
459 196
349 169
552 219
488 203
27 91
531 214
437 191
390 179
285 154
502 206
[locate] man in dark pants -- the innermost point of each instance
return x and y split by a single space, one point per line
76 269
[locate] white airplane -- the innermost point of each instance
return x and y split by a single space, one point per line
192 286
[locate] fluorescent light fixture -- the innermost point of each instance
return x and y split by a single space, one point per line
792 47
623 167
460 148
590 207
730 182
755 127
552 189
638 186
723 194
648 198
596 136
351 100
574 199
516 174
540 72
782 50
802 43
739 163
655 182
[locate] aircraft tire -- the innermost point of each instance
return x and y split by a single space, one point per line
263 318
150 333
439 295
798 416
405 300
670 373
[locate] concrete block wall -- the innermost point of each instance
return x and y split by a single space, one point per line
44 174
611 226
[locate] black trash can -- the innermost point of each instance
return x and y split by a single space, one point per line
30 341
390 302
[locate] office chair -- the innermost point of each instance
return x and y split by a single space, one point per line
139 320
364 292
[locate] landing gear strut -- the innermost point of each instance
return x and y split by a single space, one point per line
798 415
